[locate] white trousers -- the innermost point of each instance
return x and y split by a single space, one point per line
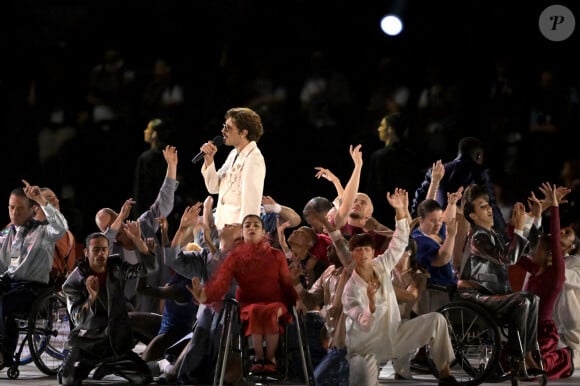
428 329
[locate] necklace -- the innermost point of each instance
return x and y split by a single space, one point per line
371 278
234 173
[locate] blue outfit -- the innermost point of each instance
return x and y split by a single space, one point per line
333 369
178 317
427 250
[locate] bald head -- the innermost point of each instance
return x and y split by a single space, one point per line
104 218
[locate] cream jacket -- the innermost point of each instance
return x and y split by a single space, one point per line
239 184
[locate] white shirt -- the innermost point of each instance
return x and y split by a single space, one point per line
375 333
239 184
567 305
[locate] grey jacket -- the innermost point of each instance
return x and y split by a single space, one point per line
486 267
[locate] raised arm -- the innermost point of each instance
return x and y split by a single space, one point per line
437 173
451 208
351 188
189 219
123 215
553 199
57 224
286 213
145 251
338 240
326 173
281 232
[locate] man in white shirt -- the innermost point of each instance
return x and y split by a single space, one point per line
239 182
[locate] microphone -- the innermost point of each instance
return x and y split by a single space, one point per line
218 141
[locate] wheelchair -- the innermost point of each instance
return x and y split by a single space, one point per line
43 333
483 345
233 341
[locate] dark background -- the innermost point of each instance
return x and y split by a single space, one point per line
214 48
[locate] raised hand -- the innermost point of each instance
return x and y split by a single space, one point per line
92 285
281 227
453 198
356 155
133 230
518 216
437 171
399 199
536 205
197 291
34 193
208 211
151 244
268 200
190 216
325 173
550 193
170 155
126 209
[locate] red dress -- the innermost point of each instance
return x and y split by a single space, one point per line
547 286
264 286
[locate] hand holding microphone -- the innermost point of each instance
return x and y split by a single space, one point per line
209 148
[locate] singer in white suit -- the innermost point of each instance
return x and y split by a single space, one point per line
239 183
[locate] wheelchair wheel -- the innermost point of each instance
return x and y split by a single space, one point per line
48 330
13 372
303 348
226 340
476 341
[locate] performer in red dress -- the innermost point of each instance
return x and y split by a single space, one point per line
264 291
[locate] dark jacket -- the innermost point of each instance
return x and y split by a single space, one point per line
105 325
462 171
486 266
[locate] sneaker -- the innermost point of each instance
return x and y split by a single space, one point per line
420 363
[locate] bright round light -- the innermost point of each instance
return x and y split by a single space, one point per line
391 25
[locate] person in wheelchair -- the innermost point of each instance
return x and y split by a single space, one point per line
435 238
26 251
484 274
265 290
102 336
374 330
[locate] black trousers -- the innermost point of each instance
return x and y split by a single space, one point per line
79 363
520 309
15 298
